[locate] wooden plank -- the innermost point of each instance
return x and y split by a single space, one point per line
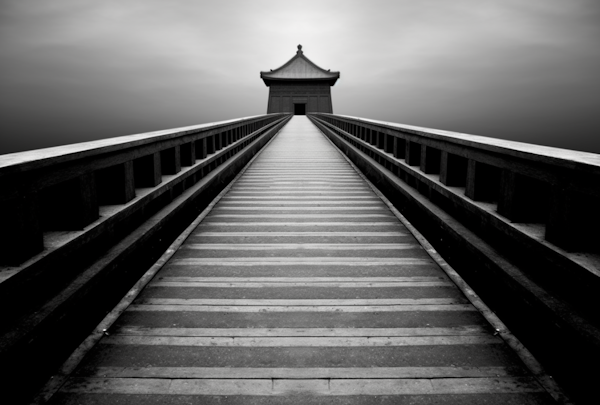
303 280
299 373
263 387
264 191
291 224
305 332
302 234
291 176
375 341
312 208
299 183
315 203
117 386
292 308
320 197
307 216
405 284
441 386
291 261
299 302
296 188
297 246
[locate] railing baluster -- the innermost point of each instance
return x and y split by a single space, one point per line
201 149
453 170
413 153
380 140
170 160
210 144
399 148
188 154
70 205
21 232
482 182
116 184
522 199
573 219
218 141
147 170
430 160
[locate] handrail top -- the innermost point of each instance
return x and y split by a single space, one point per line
37 158
548 154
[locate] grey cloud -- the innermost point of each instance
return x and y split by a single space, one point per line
81 70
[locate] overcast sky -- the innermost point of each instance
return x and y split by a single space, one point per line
77 70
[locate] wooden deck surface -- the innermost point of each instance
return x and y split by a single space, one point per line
301 287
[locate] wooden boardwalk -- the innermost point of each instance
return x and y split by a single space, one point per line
301 287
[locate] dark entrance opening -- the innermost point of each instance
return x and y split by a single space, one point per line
299 109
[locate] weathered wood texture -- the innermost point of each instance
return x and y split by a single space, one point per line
121 210
519 220
75 179
301 287
500 171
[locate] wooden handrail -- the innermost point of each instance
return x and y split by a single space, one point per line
556 188
63 188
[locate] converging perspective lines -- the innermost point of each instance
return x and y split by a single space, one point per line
301 283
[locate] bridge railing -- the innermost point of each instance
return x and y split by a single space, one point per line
48 191
558 190
519 222
79 224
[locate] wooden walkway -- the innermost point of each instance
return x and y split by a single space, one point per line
301 287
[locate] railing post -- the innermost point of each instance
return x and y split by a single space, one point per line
225 138
388 145
370 136
399 148
21 232
482 182
116 184
210 144
70 205
170 160
522 199
573 219
380 140
147 170
188 154
201 150
453 170
430 160
413 153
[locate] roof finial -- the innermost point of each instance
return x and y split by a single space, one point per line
299 49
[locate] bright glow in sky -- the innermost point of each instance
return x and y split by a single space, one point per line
77 70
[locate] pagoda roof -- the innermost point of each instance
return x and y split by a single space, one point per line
299 68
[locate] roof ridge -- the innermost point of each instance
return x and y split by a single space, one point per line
295 70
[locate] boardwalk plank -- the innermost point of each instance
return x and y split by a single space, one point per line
301 287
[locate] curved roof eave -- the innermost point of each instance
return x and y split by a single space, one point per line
330 80
318 72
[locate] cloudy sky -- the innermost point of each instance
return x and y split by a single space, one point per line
77 70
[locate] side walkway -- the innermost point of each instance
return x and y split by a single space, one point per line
301 287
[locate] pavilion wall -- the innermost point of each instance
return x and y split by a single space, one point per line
283 96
